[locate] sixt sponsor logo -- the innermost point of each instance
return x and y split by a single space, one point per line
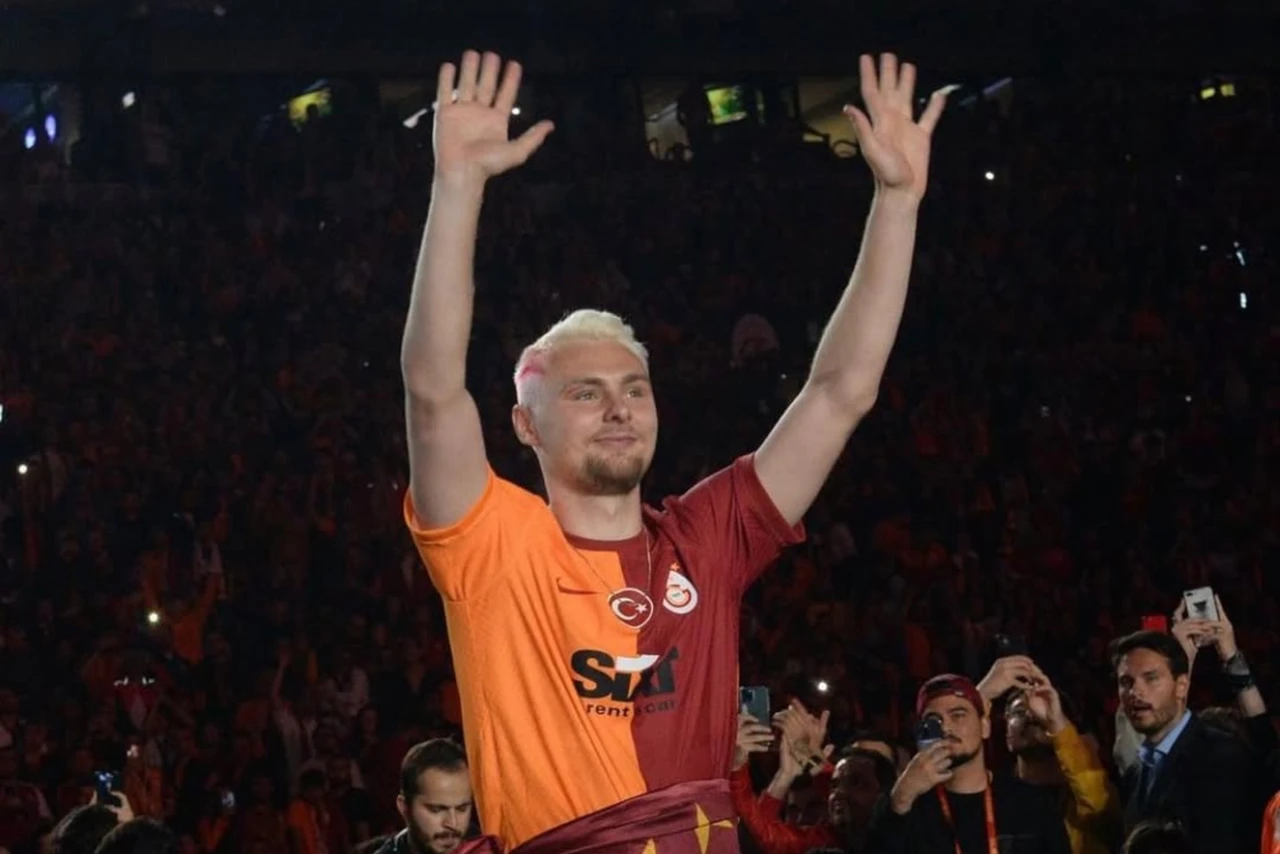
620 686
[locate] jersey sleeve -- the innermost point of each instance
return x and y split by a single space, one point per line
731 515
467 558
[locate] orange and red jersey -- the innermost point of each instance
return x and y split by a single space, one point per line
591 672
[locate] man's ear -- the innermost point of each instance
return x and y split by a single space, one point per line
1182 687
402 807
522 421
986 726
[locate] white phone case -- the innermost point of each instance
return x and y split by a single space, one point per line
1200 604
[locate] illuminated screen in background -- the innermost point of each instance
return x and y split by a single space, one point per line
728 104
321 99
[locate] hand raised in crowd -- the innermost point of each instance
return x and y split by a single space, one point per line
123 810
753 737
1196 634
473 114
894 144
1044 704
1013 671
928 769
804 736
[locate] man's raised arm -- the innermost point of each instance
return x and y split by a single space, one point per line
446 447
802 448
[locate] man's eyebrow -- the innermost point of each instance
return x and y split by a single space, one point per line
597 382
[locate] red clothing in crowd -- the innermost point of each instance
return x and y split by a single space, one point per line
763 817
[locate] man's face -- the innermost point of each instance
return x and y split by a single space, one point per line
438 816
854 790
591 417
1150 695
338 770
963 728
1023 734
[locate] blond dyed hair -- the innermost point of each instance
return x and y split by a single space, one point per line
585 324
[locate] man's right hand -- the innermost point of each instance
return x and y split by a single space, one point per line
1014 671
927 770
753 737
473 112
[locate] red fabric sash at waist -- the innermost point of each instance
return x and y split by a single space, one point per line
627 826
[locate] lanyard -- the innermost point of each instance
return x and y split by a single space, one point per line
989 808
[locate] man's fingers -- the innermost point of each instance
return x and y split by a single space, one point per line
445 84
487 86
467 76
906 84
510 88
888 72
868 85
933 111
866 139
937 750
531 140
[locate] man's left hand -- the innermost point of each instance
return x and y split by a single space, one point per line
1045 705
1224 634
894 144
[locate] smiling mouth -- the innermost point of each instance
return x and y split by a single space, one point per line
617 441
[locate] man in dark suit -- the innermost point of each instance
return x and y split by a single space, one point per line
1187 771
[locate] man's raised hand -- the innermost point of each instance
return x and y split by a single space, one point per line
894 144
473 113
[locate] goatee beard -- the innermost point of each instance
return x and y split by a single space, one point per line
962 759
600 477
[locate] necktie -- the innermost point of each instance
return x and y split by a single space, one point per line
1150 758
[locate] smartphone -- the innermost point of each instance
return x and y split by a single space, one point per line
1200 604
1007 645
754 700
1155 623
928 732
105 783
228 799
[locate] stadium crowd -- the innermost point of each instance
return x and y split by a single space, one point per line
207 583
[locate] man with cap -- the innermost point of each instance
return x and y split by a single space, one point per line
947 801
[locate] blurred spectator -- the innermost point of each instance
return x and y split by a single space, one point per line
1049 751
140 836
1187 771
1158 838
946 797
82 830
435 800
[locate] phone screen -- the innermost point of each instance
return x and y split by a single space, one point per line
928 732
1155 623
105 783
1010 645
754 700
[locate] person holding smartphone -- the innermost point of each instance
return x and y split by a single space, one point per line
948 800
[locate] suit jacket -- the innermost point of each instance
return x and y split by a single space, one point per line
1205 784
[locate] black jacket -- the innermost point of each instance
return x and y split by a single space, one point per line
1206 783
1028 821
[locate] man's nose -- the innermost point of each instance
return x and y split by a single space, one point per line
618 410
